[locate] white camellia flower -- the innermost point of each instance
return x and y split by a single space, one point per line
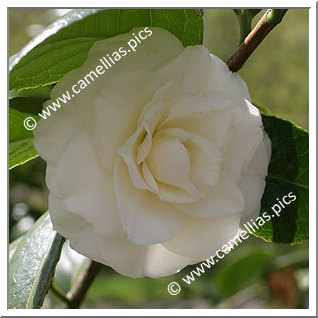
155 165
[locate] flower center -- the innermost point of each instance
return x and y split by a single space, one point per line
177 165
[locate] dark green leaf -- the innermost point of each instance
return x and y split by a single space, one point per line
38 92
28 105
20 139
32 265
66 43
288 172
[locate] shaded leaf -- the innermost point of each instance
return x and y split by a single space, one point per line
288 172
241 272
30 105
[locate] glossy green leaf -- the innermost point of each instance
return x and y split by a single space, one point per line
32 265
65 44
288 172
20 139
13 246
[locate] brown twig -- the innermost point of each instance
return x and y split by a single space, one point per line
77 294
251 42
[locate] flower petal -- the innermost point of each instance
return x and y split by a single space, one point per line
160 262
135 75
200 238
225 199
213 125
253 182
128 152
169 163
86 189
132 260
248 136
53 135
205 157
145 218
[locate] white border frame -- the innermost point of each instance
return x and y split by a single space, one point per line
312 164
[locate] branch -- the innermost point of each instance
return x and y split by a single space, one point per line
77 294
254 39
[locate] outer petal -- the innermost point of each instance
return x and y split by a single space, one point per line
53 134
64 222
132 260
86 189
253 182
200 238
248 136
160 262
213 74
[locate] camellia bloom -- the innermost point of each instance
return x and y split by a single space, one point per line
157 163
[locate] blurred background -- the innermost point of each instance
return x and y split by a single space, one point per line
256 274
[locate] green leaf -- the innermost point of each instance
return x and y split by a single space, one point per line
65 44
241 272
29 105
20 139
288 172
38 92
263 109
32 265
13 246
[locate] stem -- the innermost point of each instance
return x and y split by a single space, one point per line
251 42
77 294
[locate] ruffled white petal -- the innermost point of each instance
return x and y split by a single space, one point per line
145 218
169 163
